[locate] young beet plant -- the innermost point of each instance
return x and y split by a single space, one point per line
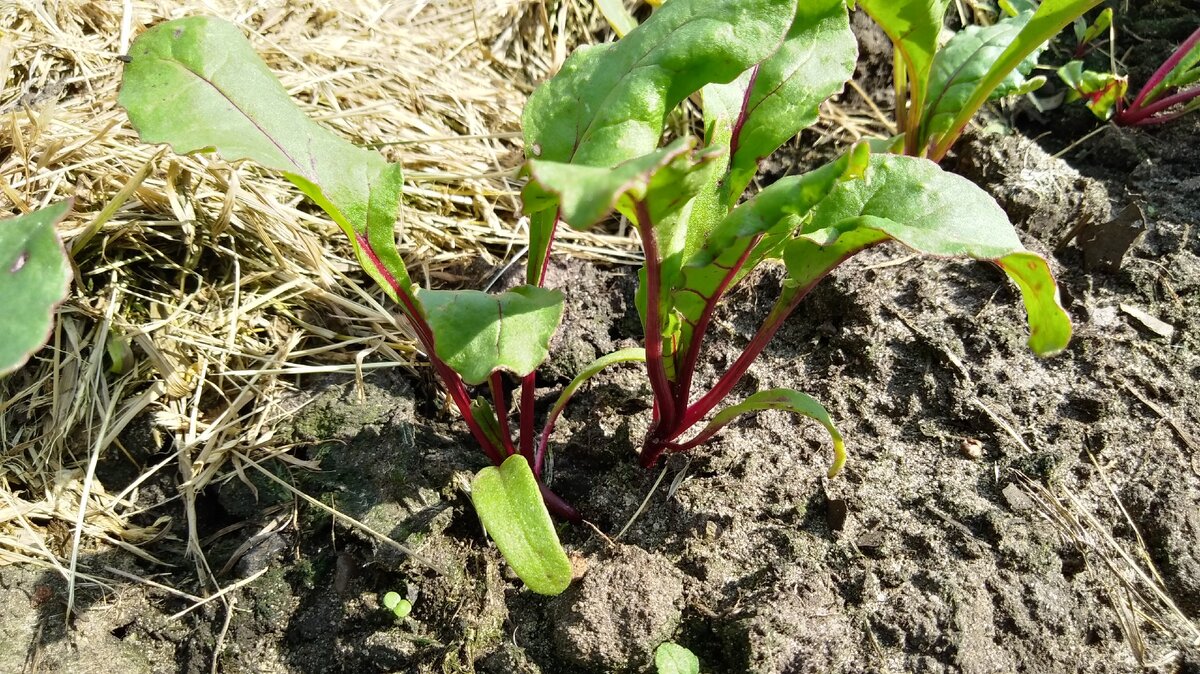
197 84
1173 90
939 88
761 69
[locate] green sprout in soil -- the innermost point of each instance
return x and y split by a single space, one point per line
398 605
671 658
939 88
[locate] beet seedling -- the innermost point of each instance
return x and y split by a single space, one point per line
197 84
762 68
1173 90
939 88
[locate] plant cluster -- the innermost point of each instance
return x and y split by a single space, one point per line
759 69
939 87
1172 91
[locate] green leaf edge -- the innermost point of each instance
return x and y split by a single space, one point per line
509 503
54 214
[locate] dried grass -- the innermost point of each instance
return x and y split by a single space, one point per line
204 290
1122 571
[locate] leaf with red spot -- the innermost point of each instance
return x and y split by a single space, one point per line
35 276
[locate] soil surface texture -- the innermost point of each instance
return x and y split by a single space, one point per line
1000 512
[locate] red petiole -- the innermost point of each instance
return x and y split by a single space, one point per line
1140 114
462 399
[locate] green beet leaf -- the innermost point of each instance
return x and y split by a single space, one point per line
510 506
197 84
636 354
665 180
787 400
1050 18
914 202
914 27
608 103
35 276
816 59
476 333
756 230
670 658
964 61
1100 91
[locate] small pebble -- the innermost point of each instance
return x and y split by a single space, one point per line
971 448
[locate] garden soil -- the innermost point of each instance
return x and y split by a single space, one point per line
1000 512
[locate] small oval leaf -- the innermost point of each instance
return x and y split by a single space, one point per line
476 333
510 506
35 276
671 658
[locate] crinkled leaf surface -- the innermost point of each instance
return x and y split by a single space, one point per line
35 276
510 506
671 658
197 84
964 61
787 400
608 103
477 333
934 212
816 58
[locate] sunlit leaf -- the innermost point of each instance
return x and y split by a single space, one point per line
477 333
510 506
197 84
35 276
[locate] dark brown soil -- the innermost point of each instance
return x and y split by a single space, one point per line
935 551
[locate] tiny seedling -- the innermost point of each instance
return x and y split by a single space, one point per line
1088 35
1173 90
35 277
939 88
761 68
671 658
398 605
197 84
